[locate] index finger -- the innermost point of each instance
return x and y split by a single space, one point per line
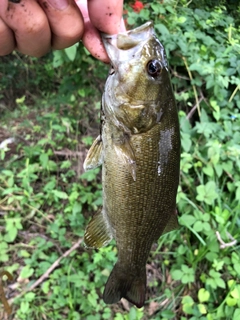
100 15
106 15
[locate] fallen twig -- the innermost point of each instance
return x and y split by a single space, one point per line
49 270
190 114
224 244
234 93
193 86
54 265
177 75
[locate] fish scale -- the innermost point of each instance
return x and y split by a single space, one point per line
139 149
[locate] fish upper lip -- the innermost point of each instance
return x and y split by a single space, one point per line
130 42
147 26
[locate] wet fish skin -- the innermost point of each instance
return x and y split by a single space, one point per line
139 149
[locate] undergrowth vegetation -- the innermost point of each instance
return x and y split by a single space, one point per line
50 109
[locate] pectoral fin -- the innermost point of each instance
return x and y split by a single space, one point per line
95 155
98 232
126 154
172 223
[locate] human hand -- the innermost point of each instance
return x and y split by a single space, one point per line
34 27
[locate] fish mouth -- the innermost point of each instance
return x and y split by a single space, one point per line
130 41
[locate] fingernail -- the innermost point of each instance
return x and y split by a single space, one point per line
59 4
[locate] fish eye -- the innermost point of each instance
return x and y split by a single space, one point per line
154 68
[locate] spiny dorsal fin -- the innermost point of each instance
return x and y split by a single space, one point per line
95 155
98 232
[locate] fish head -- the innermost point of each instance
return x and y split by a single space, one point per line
138 82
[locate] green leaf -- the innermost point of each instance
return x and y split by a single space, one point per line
57 59
26 272
182 249
24 307
236 267
207 193
12 226
231 302
157 8
236 293
219 170
236 315
60 194
50 185
92 298
202 308
130 20
29 296
44 159
167 314
162 29
211 283
177 274
185 268
77 208
208 170
24 253
118 316
196 67
45 286
132 314
203 295
8 173
220 283
186 141
187 303
181 19
82 92
90 175
10 182
71 52
187 278
4 257
198 226
187 220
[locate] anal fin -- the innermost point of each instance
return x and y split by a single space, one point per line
95 155
98 232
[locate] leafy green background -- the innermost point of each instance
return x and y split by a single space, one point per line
51 107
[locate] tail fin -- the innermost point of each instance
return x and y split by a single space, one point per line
120 284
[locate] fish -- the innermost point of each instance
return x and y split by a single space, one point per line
139 150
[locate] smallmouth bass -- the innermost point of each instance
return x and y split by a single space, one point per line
139 150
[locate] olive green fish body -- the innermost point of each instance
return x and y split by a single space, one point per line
139 149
